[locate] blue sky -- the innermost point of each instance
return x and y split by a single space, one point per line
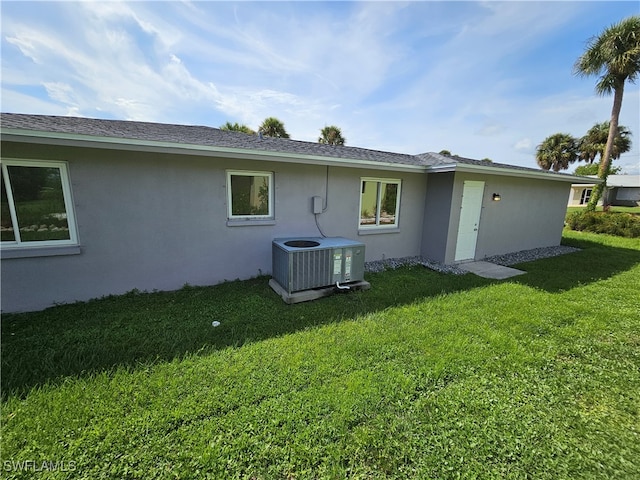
481 79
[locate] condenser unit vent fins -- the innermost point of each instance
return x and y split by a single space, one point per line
314 262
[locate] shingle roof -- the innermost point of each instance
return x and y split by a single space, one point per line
215 137
436 159
194 135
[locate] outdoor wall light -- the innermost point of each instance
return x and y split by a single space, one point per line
496 197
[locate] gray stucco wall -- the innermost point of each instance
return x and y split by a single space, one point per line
437 213
158 221
530 214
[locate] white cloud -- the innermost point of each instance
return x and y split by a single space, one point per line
524 144
463 80
61 92
16 102
25 44
113 15
489 128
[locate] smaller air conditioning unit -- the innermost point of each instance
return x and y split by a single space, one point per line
305 268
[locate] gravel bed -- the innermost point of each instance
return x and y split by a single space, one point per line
505 260
393 263
530 255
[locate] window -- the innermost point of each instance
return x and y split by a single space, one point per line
250 195
35 204
379 203
585 196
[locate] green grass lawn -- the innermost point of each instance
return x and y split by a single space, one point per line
425 376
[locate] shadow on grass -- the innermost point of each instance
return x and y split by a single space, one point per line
145 328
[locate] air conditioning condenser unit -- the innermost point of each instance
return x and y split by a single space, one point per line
306 268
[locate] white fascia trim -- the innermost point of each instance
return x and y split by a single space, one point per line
112 143
542 175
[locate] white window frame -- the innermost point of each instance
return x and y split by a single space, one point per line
380 182
249 173
585 196
68 203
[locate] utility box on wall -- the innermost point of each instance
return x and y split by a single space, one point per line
316 205
302 264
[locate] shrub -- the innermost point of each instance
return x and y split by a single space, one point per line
612 223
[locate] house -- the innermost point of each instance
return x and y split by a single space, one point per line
95 207
622 190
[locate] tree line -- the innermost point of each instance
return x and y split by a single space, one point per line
614 57
558 151
272 127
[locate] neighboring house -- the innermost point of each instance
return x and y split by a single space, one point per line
622 190
97 207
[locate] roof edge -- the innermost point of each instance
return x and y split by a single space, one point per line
426 163
80 140
511 172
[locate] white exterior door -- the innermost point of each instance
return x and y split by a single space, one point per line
472 194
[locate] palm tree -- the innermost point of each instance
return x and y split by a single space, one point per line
593 144
557 151
614 56
236 127
273 127
331 135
